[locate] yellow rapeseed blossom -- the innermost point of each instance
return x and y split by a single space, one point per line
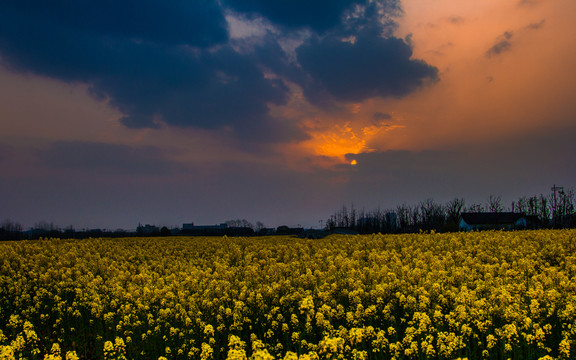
262 354
482 295
564 349
206 352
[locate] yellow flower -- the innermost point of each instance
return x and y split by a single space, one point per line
236 354
206 352
71 355
262 354
564 348
209 330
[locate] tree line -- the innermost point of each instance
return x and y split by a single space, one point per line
552 211
12 230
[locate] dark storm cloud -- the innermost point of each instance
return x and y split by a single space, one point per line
270 55
319 15
371 66
111 159
196 23
173 62
361 59
503 44
133 55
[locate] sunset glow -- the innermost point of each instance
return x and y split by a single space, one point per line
343 140
224 109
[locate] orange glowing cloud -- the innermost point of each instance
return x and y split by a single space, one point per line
505 70
340 140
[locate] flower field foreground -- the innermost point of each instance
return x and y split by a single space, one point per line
486 295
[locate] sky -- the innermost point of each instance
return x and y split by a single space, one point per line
155 112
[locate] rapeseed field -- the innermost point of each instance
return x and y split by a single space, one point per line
482 295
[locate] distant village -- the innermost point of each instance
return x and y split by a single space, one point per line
537 212
13 231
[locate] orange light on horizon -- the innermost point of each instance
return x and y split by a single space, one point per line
340 141
343 140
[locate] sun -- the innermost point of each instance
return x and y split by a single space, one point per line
353 162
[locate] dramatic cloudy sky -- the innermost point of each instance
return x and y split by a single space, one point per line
114 113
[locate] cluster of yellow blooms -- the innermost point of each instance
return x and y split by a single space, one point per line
483 295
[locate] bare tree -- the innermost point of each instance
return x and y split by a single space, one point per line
345 218
10 230
233 223
432 214
454 208
567 201
259 226
495 204
352 217
45 226
239 223
533 206
403 213
543 210
563 204
331 222
521 205
476 208
362 223
11 226
429 215
415 217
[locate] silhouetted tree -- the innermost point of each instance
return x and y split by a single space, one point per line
495 204
521 205
475 208
10 230
330 223
46 229
240 223
543 210
432 215
533 207
415 218
352 217
259 226
45 226
345 218
562 204
454 209
403 213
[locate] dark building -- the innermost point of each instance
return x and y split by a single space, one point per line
492 221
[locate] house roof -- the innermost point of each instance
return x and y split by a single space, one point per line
483 218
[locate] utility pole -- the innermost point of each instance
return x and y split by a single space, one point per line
560 190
